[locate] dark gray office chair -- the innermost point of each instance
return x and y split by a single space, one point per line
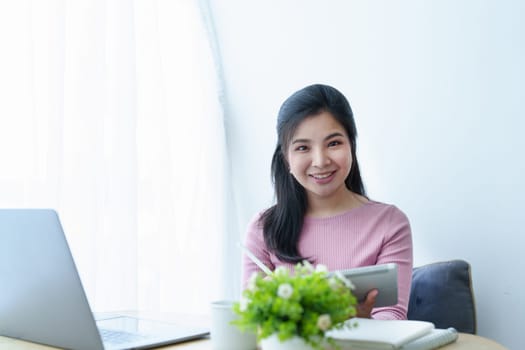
442 294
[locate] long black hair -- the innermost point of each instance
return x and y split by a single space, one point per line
283 222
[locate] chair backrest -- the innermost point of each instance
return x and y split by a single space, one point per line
442 294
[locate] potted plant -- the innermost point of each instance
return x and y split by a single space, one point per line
296 309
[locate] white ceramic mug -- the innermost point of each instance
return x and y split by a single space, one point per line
225 336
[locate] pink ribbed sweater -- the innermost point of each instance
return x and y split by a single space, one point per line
374 233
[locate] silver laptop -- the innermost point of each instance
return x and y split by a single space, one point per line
42 299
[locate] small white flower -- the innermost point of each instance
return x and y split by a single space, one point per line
332 282
243 304
321 268
324 322
308 267
280 270
284 291
345 280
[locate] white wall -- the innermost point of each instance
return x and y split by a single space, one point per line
437 88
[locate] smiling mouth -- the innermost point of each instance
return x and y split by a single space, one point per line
322 176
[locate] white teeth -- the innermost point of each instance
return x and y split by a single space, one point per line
322 176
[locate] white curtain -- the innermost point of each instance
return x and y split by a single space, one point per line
111 114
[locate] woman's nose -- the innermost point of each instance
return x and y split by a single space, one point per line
320 158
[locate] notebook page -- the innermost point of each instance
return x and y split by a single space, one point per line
380 334
435 339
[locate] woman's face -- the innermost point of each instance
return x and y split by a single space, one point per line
319 155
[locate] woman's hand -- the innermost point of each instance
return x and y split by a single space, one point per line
365 308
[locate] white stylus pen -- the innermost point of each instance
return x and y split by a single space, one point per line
255 259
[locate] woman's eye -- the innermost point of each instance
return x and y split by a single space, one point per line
334 143
301 148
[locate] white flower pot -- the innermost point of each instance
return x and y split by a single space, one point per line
295 343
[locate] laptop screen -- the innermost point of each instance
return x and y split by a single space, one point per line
42 298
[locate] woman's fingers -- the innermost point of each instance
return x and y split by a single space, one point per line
365 308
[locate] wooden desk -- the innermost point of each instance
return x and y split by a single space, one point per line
464 342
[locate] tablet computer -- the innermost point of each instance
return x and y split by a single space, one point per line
382 277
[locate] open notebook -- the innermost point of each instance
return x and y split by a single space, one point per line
372 334
42 299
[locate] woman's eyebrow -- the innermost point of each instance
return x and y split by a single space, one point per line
331 136
300 141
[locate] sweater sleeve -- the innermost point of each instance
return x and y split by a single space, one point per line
397 248
254 241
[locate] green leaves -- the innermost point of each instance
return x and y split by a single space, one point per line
306 304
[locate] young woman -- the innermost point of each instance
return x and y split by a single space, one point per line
322 213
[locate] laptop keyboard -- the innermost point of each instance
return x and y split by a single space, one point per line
120 337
